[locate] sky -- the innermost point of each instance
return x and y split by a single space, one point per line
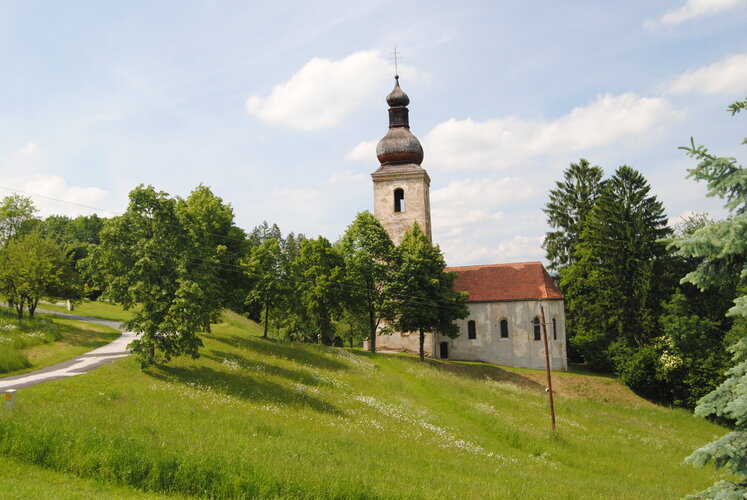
278 106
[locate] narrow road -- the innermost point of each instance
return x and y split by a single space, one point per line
78 365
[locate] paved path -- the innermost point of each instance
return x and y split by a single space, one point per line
77 365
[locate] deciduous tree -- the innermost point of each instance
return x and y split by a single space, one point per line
320 272
368 252
421 295
33 267
144 258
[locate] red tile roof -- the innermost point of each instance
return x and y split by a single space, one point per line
519 281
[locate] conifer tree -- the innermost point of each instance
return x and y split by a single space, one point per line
570 203
723 245
613 287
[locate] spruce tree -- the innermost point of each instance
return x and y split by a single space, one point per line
723 247
613 288
569 205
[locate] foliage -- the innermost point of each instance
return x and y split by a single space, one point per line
421 295
16 212
619 279
722 245
276 419
570 204
368 252
320 271
216 247
33 267
264 267
145 257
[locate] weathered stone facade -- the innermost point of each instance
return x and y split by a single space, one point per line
415 184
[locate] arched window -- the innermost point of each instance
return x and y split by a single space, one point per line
537 331
399 200
504 328
471 330
554 330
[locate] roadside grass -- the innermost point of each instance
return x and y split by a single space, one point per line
93 309
265 418
21 481
27 344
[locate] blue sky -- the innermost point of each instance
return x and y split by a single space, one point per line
278 106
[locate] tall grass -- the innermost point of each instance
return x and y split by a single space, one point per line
265 418
16 335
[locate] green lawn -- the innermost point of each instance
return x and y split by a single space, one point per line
264 418
21 481
93 309
28 345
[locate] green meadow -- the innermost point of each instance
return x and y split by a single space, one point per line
31 344
265 418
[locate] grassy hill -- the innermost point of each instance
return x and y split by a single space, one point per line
262 417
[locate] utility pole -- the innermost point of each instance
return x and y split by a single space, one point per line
547 367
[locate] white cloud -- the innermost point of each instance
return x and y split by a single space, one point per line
692 10
474 220
347 177
363 151
503 142
323 91
516 249
728 76
52 195
28 149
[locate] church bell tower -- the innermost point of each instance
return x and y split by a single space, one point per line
401 185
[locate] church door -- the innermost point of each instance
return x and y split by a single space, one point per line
444 351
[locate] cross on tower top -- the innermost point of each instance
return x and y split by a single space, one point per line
396 56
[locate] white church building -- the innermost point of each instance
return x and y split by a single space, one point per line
504 322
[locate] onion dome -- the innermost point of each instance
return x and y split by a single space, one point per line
397 97
399 145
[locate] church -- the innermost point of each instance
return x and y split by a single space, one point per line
504 324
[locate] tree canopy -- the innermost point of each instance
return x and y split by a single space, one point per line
421 295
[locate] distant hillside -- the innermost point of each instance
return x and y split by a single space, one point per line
267 418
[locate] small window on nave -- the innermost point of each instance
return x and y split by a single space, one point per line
537 331
504 328
471 330
554 330
399 200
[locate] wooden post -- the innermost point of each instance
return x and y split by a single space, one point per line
547 367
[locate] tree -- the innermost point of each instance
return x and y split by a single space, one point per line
216 249
421 295
723 247
144 258
265 270
16 211
320 272
368 252
615 287
32 268
570 204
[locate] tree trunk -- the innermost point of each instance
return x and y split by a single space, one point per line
351 336
207 326
372 331
267 317
19 309
70 305
422 344
32 307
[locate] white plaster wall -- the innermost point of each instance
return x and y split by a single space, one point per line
519 349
